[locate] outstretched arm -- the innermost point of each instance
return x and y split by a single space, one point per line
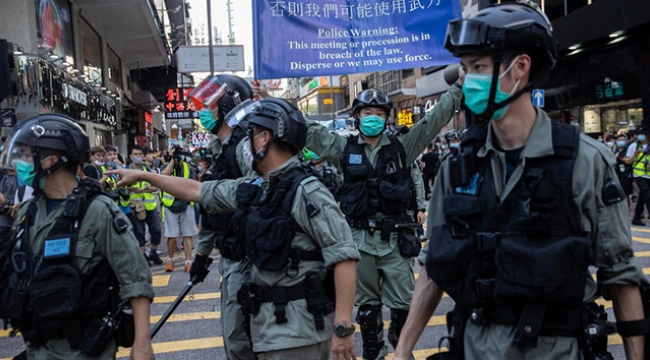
185 189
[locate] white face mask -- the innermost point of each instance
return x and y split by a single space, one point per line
99 163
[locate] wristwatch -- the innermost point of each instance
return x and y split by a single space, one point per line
342 330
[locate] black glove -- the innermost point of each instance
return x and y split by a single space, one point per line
199 269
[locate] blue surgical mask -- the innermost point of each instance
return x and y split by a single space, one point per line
110 163
207 119
641 137
25 172
454 145
200 168
621 143
372 125
477 92
138 160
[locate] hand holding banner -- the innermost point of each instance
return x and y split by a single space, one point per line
331 37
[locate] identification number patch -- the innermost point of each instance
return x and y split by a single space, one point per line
57 247
356 159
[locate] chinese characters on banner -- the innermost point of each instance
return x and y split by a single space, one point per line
177 105
334 37
200 139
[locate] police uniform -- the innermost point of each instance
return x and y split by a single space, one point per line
98 239
383 275
605 227
229 162
324 233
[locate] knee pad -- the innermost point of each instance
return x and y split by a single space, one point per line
368 318
397 321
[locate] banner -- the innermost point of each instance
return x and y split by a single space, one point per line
305 38
177 105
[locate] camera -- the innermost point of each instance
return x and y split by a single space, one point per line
6 209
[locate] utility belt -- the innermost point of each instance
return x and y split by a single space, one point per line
409 244
587 322
317 291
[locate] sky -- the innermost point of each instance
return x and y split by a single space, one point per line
242 24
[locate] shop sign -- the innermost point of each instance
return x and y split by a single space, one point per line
148 123
609 90
405 118
177 105
72 93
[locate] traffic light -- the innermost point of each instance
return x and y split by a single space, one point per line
8 86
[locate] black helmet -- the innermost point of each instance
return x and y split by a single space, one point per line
504 26
373 98
453 134
284 119
238 91
54 131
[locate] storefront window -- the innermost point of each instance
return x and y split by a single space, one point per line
612 117
92 49
114 68
103 137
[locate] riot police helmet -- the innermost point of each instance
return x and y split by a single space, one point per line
282 118
453 134
54 132
371 98
238 91
505 26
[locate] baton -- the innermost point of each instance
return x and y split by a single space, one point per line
179 299
170 310
407 226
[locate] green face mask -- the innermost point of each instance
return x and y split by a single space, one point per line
25 172
476 89
372 125
207 119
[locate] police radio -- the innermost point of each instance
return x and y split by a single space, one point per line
461 163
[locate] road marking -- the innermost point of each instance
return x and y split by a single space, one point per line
160 280
190 297
641 240
181 345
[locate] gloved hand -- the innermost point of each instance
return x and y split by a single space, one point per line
207 119
199 269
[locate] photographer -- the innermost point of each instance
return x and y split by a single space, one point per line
638 155
178 215
11 196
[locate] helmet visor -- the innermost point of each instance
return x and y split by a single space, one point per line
466 32
208 93
370 96
14 152
236 115
453 135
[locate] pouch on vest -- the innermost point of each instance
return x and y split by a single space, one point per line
409 244
140 210
451 257
396 195
462 205
125 332
271 242
55 293
354 195
548 270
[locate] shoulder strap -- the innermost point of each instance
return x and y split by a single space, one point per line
400 148
565 139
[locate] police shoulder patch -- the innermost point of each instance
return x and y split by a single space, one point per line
355 159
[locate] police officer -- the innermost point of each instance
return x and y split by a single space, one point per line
528 205
329 175
293 231
82 246
231 159
374 197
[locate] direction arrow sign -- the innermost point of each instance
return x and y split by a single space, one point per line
538 97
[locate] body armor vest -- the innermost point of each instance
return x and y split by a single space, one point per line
225 166
367 190
46 295
265 224
514 260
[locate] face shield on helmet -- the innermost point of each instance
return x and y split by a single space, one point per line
16 152
208 93
234 117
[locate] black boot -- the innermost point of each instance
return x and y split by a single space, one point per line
153 256
397 321
369 317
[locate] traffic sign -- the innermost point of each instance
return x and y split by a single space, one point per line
538 97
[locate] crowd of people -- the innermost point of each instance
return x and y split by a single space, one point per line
309 223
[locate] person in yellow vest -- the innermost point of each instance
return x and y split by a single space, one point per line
141 195
178 215
638 155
